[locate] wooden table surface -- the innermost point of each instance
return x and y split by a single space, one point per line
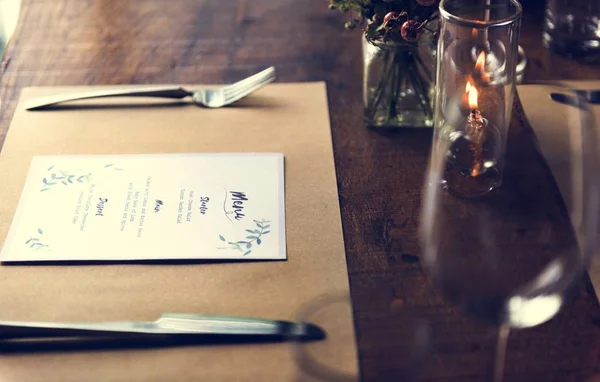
89 42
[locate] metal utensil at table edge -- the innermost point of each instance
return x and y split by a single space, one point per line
169 324
211 98
590 96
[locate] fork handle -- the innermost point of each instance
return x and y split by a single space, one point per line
174 92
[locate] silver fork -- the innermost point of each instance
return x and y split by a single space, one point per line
212 98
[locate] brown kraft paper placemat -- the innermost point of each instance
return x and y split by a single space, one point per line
288 118
548 119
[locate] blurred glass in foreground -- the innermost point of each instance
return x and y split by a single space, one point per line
409 335
513 257
9 14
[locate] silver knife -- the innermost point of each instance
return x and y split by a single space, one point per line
590 96
169 324
173 92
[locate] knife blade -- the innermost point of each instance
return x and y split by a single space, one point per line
590 96
567 99
564 99
168 324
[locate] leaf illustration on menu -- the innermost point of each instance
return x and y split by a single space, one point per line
36 243
256 236
66 177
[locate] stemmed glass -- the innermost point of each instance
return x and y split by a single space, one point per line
511 256
331 361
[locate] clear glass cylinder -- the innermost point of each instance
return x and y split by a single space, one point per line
475 86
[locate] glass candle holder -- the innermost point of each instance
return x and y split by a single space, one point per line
476 64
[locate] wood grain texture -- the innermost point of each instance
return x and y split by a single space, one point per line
86 42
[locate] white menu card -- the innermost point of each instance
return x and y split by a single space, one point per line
150 207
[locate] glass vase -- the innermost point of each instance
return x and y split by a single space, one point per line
398 89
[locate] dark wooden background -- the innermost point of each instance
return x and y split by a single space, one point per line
88 42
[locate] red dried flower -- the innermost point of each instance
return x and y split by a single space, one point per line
390 16
411 30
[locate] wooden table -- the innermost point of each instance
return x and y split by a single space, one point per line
88 42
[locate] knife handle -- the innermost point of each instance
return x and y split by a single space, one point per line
174 92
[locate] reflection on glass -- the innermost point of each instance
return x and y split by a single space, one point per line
331 361
9 14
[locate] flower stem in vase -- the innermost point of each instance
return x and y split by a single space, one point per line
397 90
422 67
374 98
420 88
396 78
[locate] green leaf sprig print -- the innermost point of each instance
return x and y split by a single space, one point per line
36 242
254 237
58 177
112 167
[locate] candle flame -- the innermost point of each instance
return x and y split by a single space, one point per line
480 63
468 87
480 67
473 96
